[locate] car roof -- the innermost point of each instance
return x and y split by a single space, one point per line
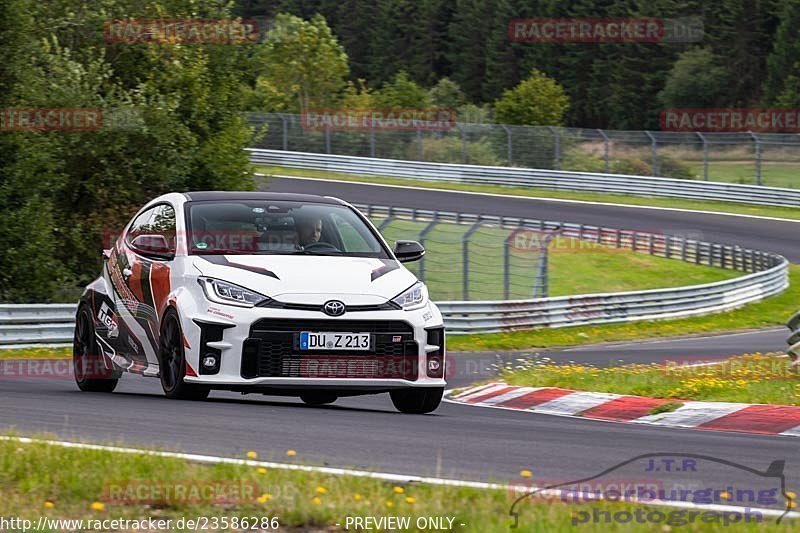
204 196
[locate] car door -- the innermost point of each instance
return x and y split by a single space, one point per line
141 285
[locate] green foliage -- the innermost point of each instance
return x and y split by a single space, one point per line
449 150
446 94
357 96
668 166
171 121
401 93
783 67
697 79
301 65
538 100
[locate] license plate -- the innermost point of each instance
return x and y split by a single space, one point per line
310 340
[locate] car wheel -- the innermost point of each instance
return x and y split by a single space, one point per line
318 398
417 401
88 365
172 362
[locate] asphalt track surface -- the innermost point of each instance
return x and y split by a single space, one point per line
457 441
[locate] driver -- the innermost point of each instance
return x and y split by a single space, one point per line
309 230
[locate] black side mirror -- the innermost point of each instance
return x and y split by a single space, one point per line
407 251
155 246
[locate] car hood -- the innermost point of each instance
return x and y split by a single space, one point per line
311 279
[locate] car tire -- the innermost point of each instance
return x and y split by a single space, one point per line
318 398
86 356
417 401
172 362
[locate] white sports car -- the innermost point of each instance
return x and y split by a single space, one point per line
280 294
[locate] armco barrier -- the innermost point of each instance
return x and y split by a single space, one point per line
765 274
525 177
36 323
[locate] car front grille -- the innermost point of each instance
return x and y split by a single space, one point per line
272 350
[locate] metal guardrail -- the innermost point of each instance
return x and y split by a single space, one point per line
36 323
534 178
766 274
759 158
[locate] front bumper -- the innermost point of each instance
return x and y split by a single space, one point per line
230 333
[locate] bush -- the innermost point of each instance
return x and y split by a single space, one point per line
449 150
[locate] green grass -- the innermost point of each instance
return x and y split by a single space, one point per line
36 353
576 267
773 173
74 482
773 311
755 378
720 207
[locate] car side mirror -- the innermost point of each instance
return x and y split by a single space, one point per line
152 245
407 251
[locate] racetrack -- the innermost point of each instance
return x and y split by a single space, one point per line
457 441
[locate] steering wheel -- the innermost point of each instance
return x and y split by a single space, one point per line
320 246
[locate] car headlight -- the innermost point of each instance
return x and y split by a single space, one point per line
412 298
227 293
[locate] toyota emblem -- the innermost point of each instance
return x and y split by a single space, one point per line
333 308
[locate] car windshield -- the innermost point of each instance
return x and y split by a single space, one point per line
268 227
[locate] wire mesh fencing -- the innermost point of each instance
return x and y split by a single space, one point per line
471 260
770 159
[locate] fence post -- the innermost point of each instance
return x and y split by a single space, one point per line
556 148
463 144
423 234
506 266
327 139
419 143
372 139
285 133
654 150
465 257
705 155
605 148
757 147
541 287
510 144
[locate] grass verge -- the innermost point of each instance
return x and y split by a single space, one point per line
788 213
774 311
60 483
754 378
36 353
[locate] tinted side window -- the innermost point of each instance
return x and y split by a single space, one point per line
163 223
160 220
140 226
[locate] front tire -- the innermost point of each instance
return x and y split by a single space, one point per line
417 401
172 362
88 364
